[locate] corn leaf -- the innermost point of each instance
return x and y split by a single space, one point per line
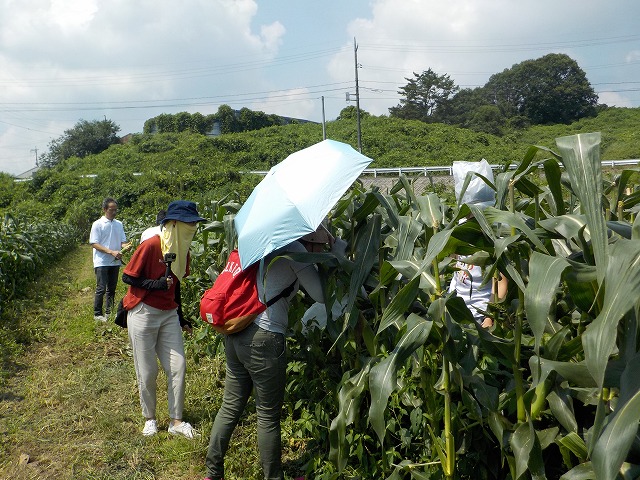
430 210
562 409
348 403
581 158
622 284
412 268
383 376
575 373
544 278
516 220
613 445
575 443
553 176
584 471
394 313
407 232
527 452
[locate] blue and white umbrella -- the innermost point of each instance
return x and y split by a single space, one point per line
294 197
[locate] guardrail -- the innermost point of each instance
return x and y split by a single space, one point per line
426 171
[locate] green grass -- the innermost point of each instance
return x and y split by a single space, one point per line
71 403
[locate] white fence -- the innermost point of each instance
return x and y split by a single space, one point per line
397 171
426 171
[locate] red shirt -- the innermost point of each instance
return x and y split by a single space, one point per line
147 262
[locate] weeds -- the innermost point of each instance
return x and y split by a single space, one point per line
71 403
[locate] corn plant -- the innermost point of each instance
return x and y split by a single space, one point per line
403 383
553 254
26 248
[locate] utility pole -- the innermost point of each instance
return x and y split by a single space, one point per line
324 127
355 53
36 151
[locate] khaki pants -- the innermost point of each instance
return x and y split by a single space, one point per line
156 335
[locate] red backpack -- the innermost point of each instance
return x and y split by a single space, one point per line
232 303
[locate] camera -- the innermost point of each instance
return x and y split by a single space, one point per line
169 257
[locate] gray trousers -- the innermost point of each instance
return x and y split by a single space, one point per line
256 359
156 335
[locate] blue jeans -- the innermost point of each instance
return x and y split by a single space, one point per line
256 359
106 283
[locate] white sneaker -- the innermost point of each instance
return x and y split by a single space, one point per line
150 428
183 428
100 318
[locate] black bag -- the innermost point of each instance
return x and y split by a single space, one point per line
121 316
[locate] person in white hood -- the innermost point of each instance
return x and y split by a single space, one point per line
467 279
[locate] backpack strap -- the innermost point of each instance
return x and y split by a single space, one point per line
285 293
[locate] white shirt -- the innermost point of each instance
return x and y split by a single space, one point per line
150 232
466 282
109 234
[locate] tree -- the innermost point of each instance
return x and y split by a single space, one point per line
85 138
228 120
426 97
350 113
551 89
462 107
487 119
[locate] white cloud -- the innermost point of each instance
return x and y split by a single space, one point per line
633 56
72 15
472 39
63 60
614 99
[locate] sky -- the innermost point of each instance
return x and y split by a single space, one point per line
62 61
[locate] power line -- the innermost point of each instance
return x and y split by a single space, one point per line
148 77
501 48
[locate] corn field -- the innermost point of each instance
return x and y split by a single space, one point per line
25 251
403 383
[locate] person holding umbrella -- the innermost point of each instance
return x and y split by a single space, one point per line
154 317
256 358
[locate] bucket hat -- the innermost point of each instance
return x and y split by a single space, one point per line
182 211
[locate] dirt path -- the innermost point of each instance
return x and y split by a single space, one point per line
50 408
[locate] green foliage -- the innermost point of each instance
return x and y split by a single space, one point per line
85 138
408 384
26 249
548 90
11 192
425 97
401 383
351 113
227 120
551 89
153 169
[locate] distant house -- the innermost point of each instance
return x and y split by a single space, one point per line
126 139
215 129
26 175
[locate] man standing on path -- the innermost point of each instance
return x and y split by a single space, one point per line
107 239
